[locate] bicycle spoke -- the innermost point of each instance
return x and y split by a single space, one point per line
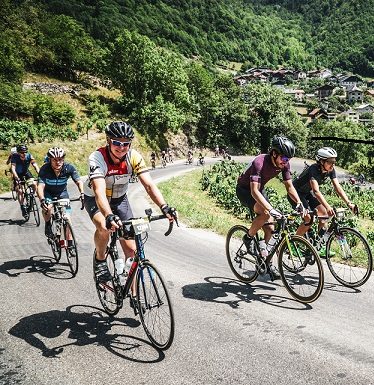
349 257
154 306
301 269
242 262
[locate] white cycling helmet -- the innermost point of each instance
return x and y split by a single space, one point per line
56 152
326 153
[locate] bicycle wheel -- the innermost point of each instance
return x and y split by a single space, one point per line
109 293
71 248
54 241
14 192
35 209
154 306
301 269
349 257
242 262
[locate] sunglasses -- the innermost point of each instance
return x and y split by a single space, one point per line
332 162
117 143
284 158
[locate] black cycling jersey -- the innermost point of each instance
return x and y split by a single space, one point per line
302 182
56 186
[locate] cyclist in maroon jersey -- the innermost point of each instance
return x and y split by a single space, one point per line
250 189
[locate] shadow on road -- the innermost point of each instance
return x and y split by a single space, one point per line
36 264
231 292
17 222
84 325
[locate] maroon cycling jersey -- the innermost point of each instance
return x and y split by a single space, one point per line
261 170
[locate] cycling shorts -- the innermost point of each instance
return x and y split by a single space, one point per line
120 206
308 200
245 197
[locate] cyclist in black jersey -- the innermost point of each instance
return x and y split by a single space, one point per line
308 182
52 183
20 163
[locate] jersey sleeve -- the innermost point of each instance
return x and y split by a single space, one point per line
42 175
137 163
97 166
255 170
74 173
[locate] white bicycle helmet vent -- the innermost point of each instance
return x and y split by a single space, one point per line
326 153
56 152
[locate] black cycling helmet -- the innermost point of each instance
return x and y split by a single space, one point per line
119 130
283 146
22 148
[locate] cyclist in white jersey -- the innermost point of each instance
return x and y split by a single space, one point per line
110 170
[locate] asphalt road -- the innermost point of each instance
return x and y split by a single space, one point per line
53 331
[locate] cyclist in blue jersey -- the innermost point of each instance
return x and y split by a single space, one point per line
52 183
20 163
251 184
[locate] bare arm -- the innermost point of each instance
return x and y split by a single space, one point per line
99 189
151 189
35 165
79 184
339 190
321 199
259 198
291 191
13 170
40 190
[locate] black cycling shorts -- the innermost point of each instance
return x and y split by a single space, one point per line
245 197
120 206
308 200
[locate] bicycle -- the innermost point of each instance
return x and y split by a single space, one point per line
163 162
299 264
152 301
29 200
63 235
153 164
348 254
13 184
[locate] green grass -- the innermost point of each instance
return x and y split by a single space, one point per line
195 207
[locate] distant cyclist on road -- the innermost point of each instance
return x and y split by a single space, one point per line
106 201
52 183
20 162
251 193
307 186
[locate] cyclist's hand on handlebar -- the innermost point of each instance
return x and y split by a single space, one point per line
330 211
81 198
301 209
170 212
275 213
43 205
113 222
353 208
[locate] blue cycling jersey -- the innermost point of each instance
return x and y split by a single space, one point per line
56 186
22 165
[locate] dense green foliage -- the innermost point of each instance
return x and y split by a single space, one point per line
333 33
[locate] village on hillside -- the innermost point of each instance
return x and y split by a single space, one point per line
320 94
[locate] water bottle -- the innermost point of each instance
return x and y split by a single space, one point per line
128 264
271 243
119 263
263 249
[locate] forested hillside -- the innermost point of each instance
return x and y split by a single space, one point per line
301 34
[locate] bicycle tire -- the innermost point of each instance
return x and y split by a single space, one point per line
241 262
109 293
14 192
54 241
154 306
350 264
35 210
71 251
303 277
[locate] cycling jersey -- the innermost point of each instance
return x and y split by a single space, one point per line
117 176
22 165
302 182
56 186
261 170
